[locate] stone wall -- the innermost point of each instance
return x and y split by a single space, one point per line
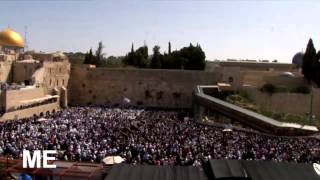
14 98
293 103
152 88
259 78
29 112
5 71
23 71
249 66
55 75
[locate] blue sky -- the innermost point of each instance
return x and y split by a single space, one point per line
270 29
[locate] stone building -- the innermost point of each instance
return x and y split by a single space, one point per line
31 84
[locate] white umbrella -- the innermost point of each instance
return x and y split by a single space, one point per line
316 167
126 100
227 130
109 160
42 119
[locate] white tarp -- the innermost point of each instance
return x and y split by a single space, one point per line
109 160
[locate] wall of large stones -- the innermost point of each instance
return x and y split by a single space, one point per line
55 75
14 98
29 112
24 70
152 88
293 103
5 71
259 78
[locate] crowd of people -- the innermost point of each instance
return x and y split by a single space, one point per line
146 137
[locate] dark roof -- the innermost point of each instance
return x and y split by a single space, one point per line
144 172
219 169
216 169
259 170
280 171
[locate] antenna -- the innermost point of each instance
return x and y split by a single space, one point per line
25 38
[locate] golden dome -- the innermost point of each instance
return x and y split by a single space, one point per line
9 37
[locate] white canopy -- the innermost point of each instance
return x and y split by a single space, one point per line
109 160
227 130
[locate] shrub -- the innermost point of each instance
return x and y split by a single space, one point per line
265 112
245 95
268 88
281 89
278 116
301 90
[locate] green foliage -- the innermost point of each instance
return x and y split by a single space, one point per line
316 69
308 59
278 115
98 59
113 62
311 64
265 112
99 56
191 58
156 58
89 58
268 88
138 58
301 90
75 58
245 95
195 57
241 101
280 89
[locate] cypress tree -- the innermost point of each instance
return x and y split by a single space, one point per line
86 58
308 61
132 49
316 69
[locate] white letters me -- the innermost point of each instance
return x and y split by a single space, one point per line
35 160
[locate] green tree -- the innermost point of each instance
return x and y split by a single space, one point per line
89 58
195 57
86 58
99 56
140 59
192 58
137 58
316 69
156 58
308 61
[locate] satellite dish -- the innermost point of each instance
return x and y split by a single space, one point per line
316 167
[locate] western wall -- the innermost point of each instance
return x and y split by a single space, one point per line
145 87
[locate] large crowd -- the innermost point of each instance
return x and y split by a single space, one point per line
146 137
